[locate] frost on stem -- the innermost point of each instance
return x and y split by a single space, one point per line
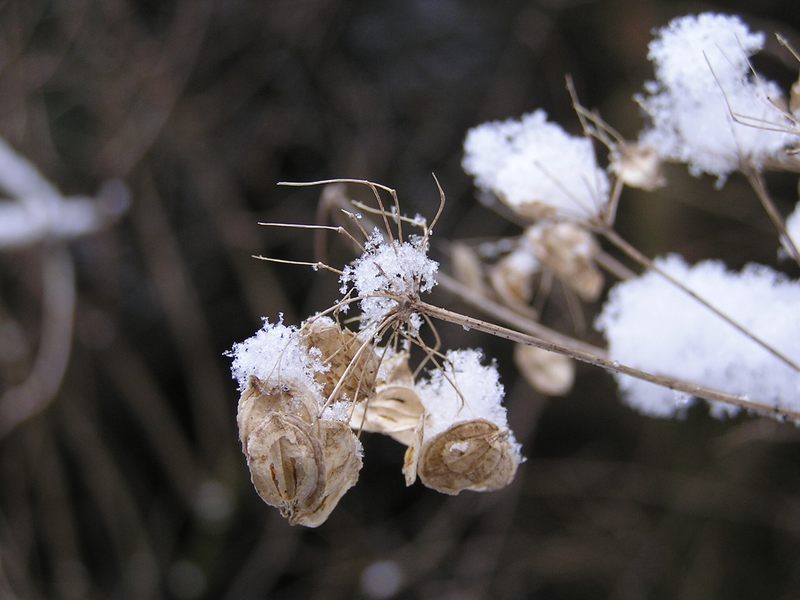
652 325
536 168
704 89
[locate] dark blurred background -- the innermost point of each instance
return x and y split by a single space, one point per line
130 482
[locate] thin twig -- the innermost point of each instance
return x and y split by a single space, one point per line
756 181
600 360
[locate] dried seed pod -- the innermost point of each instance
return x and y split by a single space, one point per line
568 251
260 399
512 280
637 166
395 409
794 97
472 455
411 457
286 465
547 372
352 362
302 469
467 267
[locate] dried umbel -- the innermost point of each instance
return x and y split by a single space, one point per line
568 250
473 455
305 390
547 372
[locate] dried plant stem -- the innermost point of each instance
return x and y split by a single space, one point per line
20 403
756 181
613 237
613 266
506 315
600 360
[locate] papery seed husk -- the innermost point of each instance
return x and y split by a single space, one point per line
568 250
286 463
395 410
411 456
342 458
472 455
513 285
467 267
547 372
338 348
302 469
261 398
395 370
638 166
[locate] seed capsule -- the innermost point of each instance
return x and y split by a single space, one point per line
472 455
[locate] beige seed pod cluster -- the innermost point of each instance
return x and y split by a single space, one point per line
568 250
302 455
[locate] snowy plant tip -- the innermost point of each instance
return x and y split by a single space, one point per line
464 442
300 450
277 354
536 168
703 91
393 268
652 325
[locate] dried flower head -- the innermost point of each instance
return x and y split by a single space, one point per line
568 250
306 389
703 92
537 169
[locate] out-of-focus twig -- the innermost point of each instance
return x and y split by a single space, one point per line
39 214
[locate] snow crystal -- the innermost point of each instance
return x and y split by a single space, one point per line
703 80
398 268
481 393
276 354
530 163
654 326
